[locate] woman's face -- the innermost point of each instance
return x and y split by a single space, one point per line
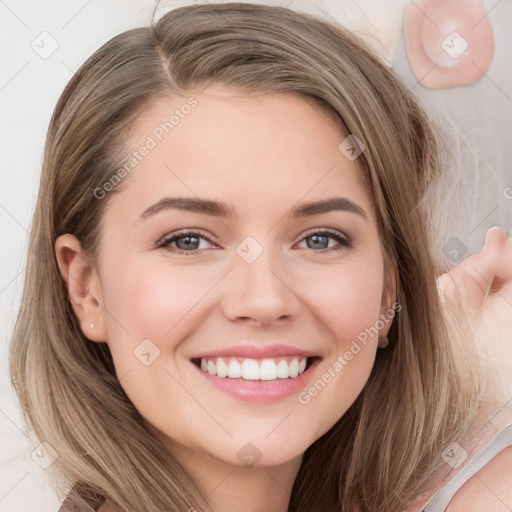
258 278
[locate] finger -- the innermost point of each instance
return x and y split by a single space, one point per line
484 266
470 282
503 271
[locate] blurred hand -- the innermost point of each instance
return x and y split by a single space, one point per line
480 288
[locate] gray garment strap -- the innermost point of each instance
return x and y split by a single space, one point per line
443 497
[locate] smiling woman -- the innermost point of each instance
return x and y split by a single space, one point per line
260 251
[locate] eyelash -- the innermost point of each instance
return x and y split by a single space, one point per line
344 241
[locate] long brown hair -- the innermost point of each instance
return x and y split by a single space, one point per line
421 394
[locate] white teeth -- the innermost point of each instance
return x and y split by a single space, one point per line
268 370
222 368
283 371
212 369
252 369
234 369
294 368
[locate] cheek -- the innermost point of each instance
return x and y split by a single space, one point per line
148 314
347 305
354 309
151 300
165 302
345 299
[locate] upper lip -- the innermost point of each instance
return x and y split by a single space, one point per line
257 352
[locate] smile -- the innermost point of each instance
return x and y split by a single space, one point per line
257 380
254 369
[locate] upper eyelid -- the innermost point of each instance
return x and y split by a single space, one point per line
196 231
332 231
183 232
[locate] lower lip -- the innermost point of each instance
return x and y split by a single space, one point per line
260 390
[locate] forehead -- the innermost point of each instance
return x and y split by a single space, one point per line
252 149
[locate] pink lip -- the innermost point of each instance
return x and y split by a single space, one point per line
258 390
257 352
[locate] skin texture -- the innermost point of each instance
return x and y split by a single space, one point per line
489 489
262 154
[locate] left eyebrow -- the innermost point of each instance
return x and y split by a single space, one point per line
329 205
220 209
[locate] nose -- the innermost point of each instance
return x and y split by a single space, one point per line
260 292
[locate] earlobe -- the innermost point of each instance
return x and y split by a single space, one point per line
83 285
387 309
389 288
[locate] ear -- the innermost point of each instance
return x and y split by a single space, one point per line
388 301
84 287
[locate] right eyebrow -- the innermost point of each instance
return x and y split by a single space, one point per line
190 204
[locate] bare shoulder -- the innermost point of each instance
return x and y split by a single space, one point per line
489 489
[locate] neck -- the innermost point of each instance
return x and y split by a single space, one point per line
228 488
